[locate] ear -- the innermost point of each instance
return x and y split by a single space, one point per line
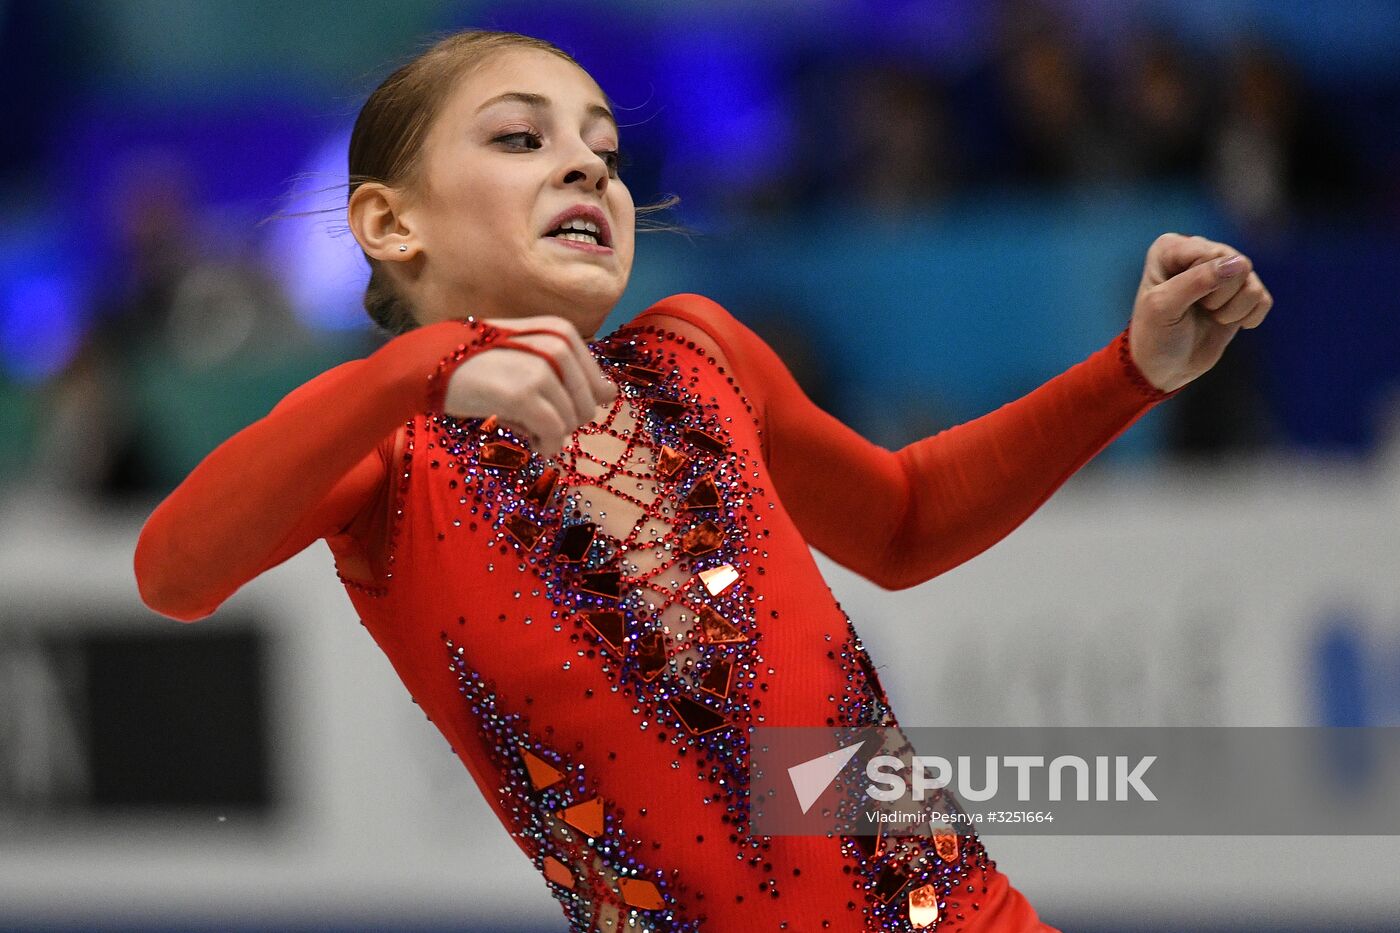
376 214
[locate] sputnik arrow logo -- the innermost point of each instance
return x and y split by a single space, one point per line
810 779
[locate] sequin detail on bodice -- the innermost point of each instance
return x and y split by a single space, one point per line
647 535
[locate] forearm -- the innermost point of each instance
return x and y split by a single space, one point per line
971 485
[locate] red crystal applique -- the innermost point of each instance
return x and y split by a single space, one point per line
504 454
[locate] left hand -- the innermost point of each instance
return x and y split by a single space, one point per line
1188 308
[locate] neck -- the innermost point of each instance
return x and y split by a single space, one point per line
433 302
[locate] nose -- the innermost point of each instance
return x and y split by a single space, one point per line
585 167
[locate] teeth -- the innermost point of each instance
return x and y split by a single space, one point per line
580 237
579 223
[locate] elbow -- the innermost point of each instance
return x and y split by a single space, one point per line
897 571
915 567
159 589
892 570
885 573
887 578
176 609
172 604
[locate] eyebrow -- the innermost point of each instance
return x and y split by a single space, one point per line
539 100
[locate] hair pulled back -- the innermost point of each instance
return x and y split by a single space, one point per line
387 142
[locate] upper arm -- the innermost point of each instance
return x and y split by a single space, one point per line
845 494
357 492
354 496
238 513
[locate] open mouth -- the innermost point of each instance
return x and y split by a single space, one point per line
580 231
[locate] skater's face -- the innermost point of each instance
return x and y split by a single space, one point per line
523 139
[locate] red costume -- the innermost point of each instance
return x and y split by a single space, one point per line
596 633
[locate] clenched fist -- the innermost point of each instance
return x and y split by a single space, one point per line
1195 295
546 396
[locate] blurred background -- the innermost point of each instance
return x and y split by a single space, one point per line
928 208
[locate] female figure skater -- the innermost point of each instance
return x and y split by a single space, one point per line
587 556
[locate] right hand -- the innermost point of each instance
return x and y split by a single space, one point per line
523 391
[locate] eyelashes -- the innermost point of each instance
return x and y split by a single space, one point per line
534 137
616 159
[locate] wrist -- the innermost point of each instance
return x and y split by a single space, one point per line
478 337
1140 380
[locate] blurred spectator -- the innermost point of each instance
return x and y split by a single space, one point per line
167 296
1058 132
1162 109
891 419
797 344
872 136
895 152
1226 413
1275 155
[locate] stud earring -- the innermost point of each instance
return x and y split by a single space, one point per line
403 248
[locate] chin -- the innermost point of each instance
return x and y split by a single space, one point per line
596 297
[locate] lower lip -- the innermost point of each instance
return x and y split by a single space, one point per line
585 247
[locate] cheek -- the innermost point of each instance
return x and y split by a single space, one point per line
486 205
626 214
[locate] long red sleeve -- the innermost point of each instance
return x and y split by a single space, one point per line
300 473
900 518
